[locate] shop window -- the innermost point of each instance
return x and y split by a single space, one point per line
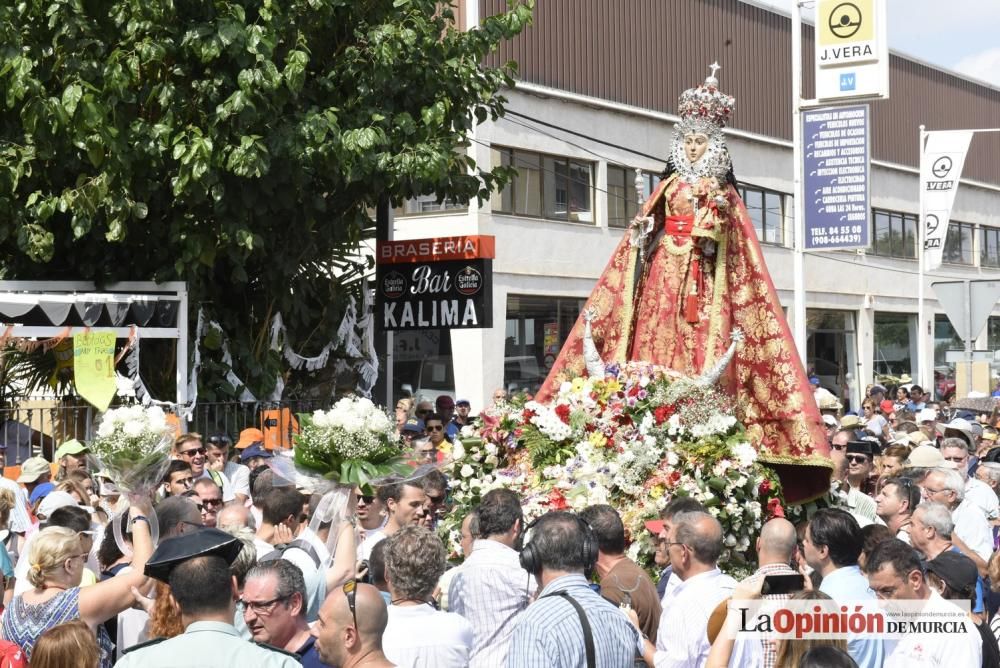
545 186
535 331
958 244
989 247
894 234
766 210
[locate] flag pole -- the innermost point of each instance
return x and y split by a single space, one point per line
922 333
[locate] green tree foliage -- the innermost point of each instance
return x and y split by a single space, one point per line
238 145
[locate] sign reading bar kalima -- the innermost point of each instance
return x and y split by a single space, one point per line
435 283
836 174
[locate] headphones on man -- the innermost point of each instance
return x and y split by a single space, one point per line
530 554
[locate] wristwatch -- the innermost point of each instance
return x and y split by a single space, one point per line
138 518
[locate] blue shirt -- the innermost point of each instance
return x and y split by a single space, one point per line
847 585
549 634
309 656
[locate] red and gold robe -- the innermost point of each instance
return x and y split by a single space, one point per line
679 308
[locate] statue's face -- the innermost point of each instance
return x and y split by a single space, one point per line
694 146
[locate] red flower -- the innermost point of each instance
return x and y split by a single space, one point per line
774 509
557 501
528 414
674 478
765 488
562 410
662 413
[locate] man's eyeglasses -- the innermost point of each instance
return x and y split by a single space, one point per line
423 411
350 587
435 427
856 459
838 446
366 499
211 502
263 607
218 440
436 500
191 452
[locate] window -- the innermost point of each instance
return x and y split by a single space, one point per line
536 330
622 198
989 247
895 234
895 343
958 244
545 186
427 204
767 211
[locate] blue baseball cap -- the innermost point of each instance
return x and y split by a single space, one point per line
463 402
414 425
255 451
40 491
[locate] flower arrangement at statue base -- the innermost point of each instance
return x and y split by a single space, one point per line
633 439
133 445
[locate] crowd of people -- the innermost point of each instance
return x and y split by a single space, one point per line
248 569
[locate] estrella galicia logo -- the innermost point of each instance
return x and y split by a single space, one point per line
931 223
393 285
469 281
941 167
845 20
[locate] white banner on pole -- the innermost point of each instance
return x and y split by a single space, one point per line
941 162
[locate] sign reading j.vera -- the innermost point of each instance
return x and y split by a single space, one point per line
427 295
852 49
836 174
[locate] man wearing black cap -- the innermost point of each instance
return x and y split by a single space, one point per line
196 566
860 462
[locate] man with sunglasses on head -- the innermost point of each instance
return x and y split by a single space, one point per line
217 449
178 479
350 627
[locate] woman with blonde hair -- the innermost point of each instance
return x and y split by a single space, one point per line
67 645
56 562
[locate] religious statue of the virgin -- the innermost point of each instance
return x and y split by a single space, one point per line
687 274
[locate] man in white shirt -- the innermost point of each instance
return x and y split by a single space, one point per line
417 634
977 492
894 572
946 486
237 476
492 589
406 504
694 544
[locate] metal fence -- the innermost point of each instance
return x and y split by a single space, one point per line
38 426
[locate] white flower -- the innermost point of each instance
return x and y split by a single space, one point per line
467 471
457 450
133 428
106 428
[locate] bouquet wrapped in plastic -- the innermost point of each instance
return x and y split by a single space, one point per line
133 446
353 443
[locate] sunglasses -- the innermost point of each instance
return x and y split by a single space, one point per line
191 452
367 499
219 440
838 447
425 411
436 500
263 607
857 459
435 428
349 591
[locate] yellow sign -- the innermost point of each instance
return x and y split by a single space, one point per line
94 367
841 23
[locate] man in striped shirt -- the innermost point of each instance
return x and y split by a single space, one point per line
569 625
491 589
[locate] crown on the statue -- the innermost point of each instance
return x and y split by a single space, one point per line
707 102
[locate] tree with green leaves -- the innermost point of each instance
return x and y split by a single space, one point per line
237 145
